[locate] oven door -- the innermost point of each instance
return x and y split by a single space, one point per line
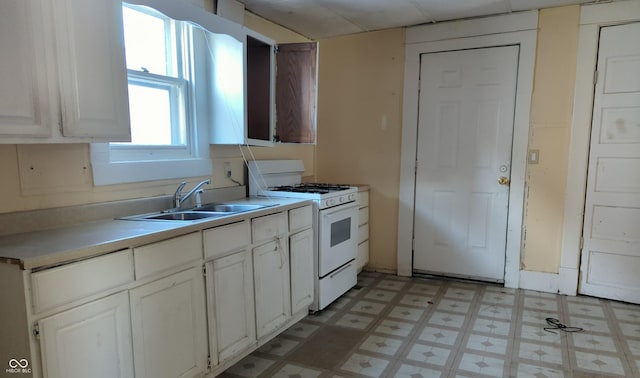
338 237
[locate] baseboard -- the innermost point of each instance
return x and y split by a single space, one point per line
539 281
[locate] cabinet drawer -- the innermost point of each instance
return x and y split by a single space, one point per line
268 227
300 218
363 198
68 283
157 257
363 233
220 240
363 216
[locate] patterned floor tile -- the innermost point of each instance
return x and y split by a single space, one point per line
582 309
533 371
630 329
411 371
365 365
380 295
627 315
498 298
302 329
537 333
416 300
379 344
460 294
487 344
490 366
540 353
593 342
391 285
387 327
251 366
494 327
495 311
406 313
354 321
541 304
279 346
429 354
295 371
439 335
447 320
599 363
391 327
454 306
368 307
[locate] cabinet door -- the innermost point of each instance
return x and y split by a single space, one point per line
24 108
301 251
169 326
93 340
231 310
91 69
271 276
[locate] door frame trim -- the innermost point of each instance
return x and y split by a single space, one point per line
592 18
467 35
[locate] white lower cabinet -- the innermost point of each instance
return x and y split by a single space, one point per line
169 326
231 310
301 254
272 286
92 340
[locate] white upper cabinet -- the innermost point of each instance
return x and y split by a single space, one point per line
63 72
91 67
24 107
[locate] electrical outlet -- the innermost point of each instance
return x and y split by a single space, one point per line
227 169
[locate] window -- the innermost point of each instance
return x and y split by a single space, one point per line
168 131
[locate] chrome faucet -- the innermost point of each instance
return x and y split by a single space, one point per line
179 198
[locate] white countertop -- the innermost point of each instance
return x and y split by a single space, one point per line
37 249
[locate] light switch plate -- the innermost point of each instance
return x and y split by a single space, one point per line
533 156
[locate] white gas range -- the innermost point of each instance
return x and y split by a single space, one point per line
335 213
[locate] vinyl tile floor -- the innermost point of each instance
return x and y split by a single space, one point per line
390 326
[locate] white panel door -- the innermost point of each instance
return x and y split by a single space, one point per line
610 262
272 286
302 273
232 326
92 340
169 325
465 128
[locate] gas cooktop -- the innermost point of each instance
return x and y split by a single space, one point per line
319 188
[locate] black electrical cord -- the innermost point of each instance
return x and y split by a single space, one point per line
555 324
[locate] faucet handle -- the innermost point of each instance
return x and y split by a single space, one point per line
180 187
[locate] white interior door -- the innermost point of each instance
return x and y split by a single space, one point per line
465 128
610 260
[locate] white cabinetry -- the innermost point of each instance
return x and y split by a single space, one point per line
92 340
24 93
230 302
272 286
169 326
362 259
301 253
63 72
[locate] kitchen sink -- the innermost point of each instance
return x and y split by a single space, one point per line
206 211
229 207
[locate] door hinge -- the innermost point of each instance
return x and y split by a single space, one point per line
581 242
209 362
36 331
595 77
276 49
204 270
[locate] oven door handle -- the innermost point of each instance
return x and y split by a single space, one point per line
340 210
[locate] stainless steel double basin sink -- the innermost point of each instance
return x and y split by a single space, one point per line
207 211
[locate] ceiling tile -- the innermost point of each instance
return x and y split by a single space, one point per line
454 9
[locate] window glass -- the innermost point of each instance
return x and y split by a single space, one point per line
148 39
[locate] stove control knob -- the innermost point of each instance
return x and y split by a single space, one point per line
331 202
342 199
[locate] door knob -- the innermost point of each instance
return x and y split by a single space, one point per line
504 180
